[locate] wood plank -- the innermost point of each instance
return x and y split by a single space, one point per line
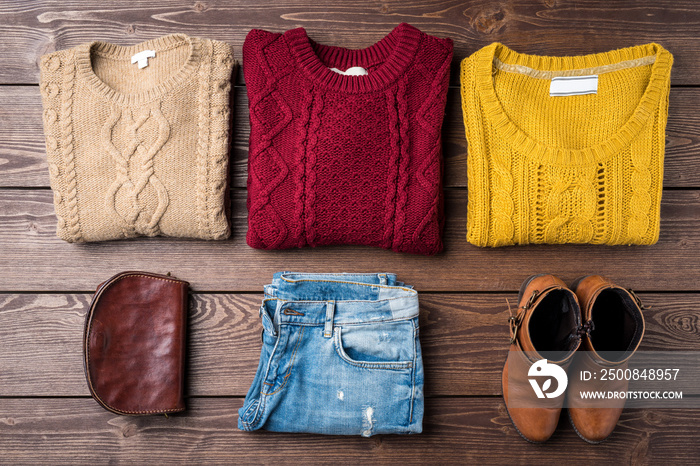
45 283
23 153
32 28
464 338
456 431
34 259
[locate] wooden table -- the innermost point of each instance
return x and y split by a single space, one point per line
46 414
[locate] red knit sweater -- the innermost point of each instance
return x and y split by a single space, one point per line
342 159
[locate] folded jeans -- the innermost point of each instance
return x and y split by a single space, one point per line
340 355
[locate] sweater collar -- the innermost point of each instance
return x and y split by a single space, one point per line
588 64
83 60
393 54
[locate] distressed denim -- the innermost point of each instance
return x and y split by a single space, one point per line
340 355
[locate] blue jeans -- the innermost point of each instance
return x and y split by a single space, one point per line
340 355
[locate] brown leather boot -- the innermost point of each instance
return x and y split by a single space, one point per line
614 327
545 327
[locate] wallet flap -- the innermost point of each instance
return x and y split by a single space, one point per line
134 343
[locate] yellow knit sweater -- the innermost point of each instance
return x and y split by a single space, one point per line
565 169
138 151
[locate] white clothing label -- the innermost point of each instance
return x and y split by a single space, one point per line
352 71
573 85
142 57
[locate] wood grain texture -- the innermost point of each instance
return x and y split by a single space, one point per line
34 259
32 28
45 284
456 431
464 338
23 153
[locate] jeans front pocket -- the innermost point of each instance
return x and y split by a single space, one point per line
382 345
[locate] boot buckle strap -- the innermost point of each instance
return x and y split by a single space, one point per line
515 320
533 297
514 323
637 300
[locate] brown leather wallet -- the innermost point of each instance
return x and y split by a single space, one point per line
134 344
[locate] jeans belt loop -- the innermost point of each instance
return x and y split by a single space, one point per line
328 328
382 279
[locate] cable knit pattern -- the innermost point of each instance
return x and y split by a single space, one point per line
266 167
502 199
73 226
402 182
310 170
572 206
362 153
642 184
138 152
220 118
51 97
565 169
202 172
430 169
300 178
143 174
393 171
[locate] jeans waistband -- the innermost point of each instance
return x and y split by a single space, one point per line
314 299
339 286
364 278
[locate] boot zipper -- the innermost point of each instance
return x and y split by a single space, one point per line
585 329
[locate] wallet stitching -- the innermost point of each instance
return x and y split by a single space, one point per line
87 347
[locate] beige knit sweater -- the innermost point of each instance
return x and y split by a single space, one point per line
136 152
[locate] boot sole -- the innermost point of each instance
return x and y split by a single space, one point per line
592 442
520 433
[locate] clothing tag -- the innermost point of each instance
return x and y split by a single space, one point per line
573 85
352 71
142 57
